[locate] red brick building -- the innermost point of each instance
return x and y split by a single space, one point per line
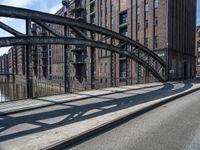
16 60
164 26
167 27
198 50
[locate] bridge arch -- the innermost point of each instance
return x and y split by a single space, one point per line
133 50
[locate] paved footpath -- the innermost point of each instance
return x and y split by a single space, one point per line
74 115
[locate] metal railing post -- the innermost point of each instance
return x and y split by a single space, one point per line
29 66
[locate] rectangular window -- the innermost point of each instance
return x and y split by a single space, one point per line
122 69
101 68
92 35
105 68
123 18
101 53
147 6
92 7
156 21
138 10
156 3
155 42
146 42
123 31
146 24
106 10
138 26
92 19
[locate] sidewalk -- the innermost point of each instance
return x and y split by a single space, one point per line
66 123
30 104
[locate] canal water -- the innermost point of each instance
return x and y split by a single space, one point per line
12 91
18 90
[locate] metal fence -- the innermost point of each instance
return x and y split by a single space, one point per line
47 87
18 90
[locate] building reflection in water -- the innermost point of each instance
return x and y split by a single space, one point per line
12 91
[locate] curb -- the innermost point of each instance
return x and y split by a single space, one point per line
105 127
68 101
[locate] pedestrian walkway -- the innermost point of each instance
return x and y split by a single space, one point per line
80 114
27 104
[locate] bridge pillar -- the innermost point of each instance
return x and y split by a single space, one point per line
29 66
66 58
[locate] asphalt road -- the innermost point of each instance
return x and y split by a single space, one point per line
173 126
30 122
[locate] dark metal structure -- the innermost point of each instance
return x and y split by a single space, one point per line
120 44
5 74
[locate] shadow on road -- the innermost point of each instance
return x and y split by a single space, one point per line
76 113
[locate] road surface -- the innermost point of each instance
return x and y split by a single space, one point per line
173 126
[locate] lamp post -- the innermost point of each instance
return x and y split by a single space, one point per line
65 3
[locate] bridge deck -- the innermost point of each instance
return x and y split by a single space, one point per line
13 106
43 127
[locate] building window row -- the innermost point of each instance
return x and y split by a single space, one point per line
156 3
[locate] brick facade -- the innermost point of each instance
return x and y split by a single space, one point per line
198 50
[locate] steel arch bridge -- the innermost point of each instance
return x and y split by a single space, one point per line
135 51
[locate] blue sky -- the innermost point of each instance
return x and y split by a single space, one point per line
50 6
198 12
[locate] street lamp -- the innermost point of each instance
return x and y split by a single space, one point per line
65 2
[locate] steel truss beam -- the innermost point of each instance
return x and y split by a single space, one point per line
45 26
34 40
20 13
78 26
10 30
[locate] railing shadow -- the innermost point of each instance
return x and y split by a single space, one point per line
76 113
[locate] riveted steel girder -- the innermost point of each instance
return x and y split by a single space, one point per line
78 27
14 12
33 40
10 30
